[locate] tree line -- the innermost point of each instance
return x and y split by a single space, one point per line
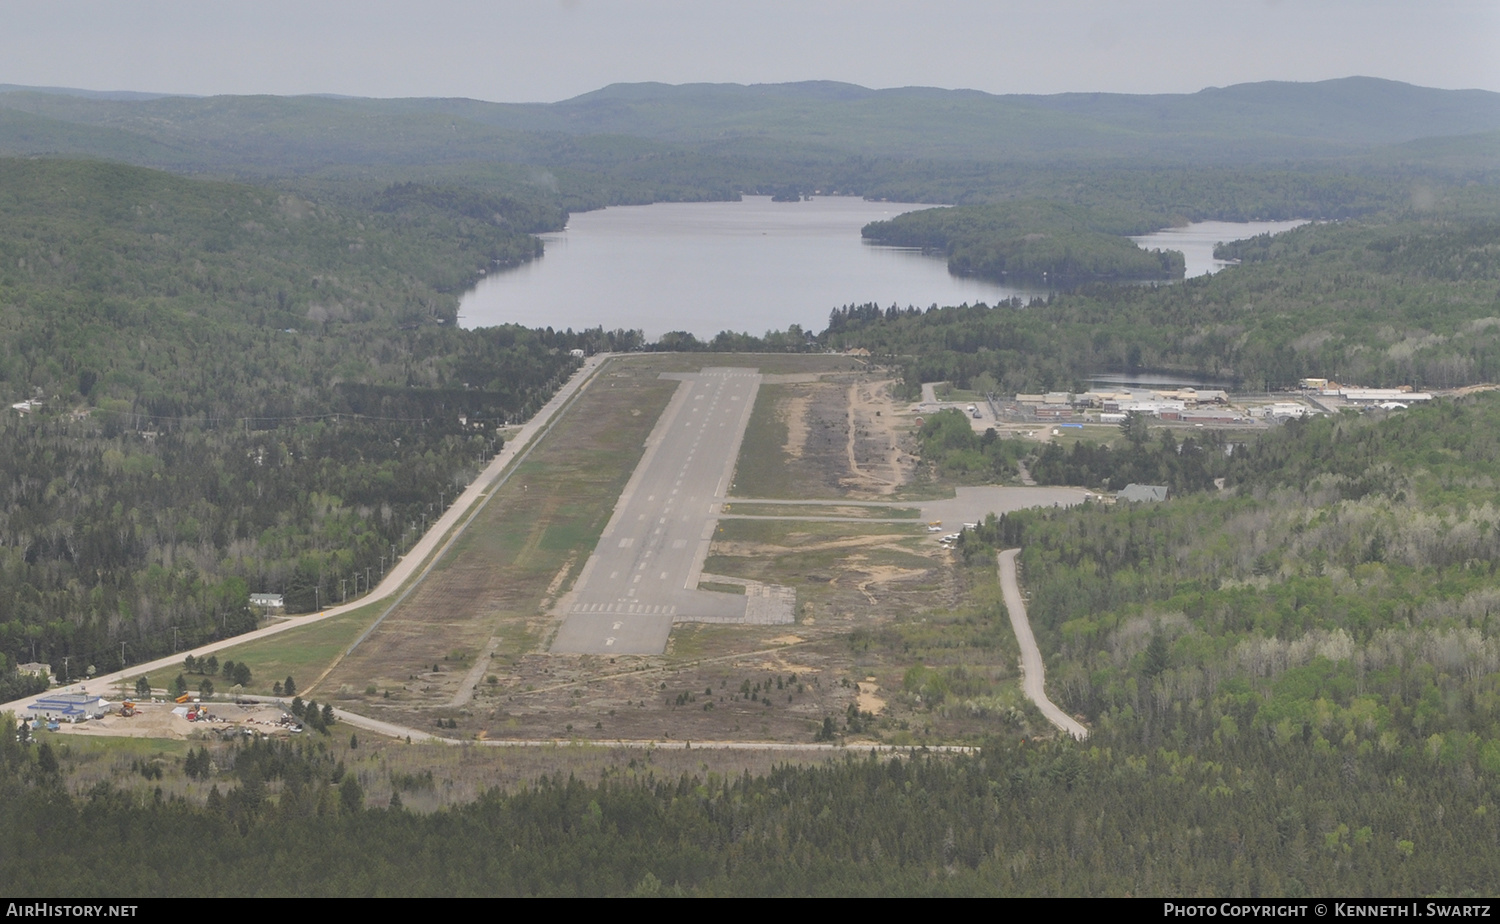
1044 818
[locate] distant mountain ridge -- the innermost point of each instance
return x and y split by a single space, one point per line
1245 123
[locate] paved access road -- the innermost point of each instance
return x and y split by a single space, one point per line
1034 681
644 573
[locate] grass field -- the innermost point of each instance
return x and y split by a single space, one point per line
302 654
783 531
721 588
428 775
832 565
762 469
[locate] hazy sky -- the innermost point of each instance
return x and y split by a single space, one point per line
548 50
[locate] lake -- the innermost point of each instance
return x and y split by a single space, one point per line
750 266
704 267
1196 241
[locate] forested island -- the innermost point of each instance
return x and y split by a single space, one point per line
230 350
1027 241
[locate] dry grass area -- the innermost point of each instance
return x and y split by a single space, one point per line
840 437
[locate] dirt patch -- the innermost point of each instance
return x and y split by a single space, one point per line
843 582
867 700
549 596
749 549
845 436
157 720
877 462
879 575
715 683
793 412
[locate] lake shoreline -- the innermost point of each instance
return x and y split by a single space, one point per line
747 266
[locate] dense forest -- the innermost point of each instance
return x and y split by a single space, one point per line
1077 233
1397 297
233 391
1234 814
1340 592
1028 241
1328 150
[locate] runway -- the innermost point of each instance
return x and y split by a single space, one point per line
644 573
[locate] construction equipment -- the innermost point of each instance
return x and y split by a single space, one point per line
127 709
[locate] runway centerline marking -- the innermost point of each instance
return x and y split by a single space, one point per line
679 541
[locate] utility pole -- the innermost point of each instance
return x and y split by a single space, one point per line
343 589
174 639
367 580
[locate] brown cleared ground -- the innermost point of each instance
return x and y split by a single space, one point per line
842 437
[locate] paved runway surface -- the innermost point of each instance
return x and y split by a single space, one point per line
644 573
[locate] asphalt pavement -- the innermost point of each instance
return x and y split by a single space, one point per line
644 573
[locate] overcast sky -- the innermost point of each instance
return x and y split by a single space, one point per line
547 50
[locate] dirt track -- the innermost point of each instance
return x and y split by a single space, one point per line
1035 682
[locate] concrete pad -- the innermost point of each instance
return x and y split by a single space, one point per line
973 504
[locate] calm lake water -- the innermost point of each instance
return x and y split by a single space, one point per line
751 266
1197 240
704 267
